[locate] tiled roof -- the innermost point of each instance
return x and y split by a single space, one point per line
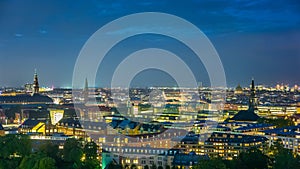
25 98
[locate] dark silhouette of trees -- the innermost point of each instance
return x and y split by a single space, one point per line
16 153
279 123
90 150
245 160
160 167
215 163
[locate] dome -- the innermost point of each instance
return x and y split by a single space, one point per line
238 90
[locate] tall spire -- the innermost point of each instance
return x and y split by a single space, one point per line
252 84
86 84
86 91
252 98
36 87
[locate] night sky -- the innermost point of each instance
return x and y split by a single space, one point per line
259 39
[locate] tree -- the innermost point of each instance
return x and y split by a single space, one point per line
45 163
50 150
146 167
9 163
153 166
91 164
24 145
72 153
214 163
37 161
281 157
160 167
245 160
72 150
15 145
274 149
28 162
285 159
133 166
113 165
279 123
168 167
90 150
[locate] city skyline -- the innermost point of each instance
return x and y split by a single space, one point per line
254 39
148 85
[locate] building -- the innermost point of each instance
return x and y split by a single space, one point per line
139 156
32 126
23 98
36 87
186 161
220 144
238 90
71 127
56 115
289 136
37 127
254 129
250 113
230 145
85 91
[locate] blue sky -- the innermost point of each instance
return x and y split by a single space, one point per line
258 39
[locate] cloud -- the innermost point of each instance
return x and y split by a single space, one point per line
18 35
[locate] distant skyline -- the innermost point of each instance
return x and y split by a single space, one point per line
259 39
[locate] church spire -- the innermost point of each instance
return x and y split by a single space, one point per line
86 85
252 84
36 87
252 99
86 91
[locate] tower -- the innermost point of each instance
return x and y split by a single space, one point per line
36 87
86 91
252 98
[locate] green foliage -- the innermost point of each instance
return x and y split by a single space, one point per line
45 163
9 163
16 153
153 166
91 164
12 146
72 151
133 166
113 165
126 166
28 162
90 150
274 149
245 160
282 158
285 159
211 164
50 150
279 123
